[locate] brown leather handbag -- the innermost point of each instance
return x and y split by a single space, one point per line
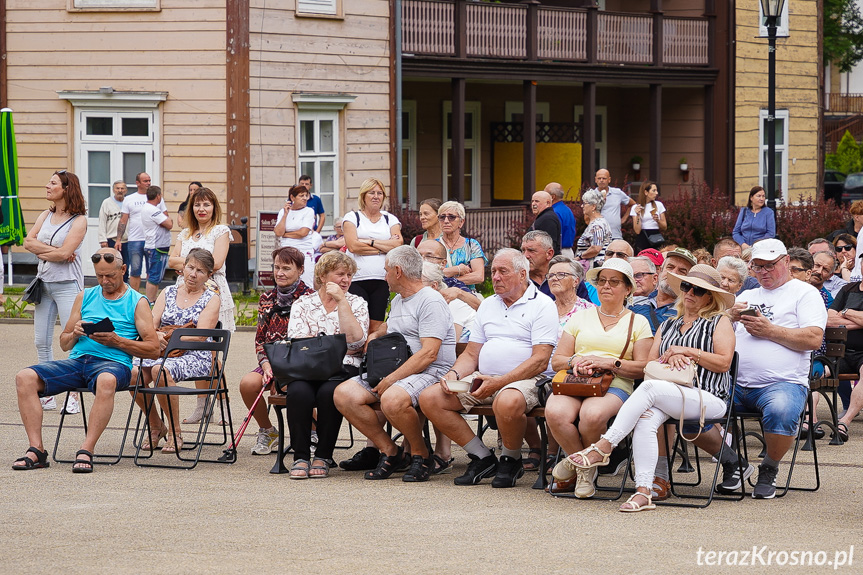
565 382
167 330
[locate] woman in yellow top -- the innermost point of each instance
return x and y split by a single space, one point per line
593 339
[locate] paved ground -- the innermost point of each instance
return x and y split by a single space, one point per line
239 518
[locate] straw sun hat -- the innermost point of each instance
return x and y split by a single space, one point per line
703 276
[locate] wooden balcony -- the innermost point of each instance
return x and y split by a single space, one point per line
536 33
838 103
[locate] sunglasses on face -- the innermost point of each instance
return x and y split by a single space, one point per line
109 258
847 248
696 291
613 282
642 275
611 254
448 217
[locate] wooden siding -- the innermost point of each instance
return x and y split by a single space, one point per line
797 91
179 50
349 55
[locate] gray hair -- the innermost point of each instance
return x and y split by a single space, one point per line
556 191
117 182
594 198
576 268
432 273
452 207
408 259
519 262
829 253
736 264
650 265
830 247
539 236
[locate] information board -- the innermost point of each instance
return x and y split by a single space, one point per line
266 244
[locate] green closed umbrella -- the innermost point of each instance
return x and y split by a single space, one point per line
11 219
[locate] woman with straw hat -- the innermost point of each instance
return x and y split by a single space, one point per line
702 334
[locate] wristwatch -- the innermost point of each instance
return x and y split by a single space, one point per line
617 365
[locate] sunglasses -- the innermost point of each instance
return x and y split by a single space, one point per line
559 276
448 217
109 258
846 248
60 172
640 275
613 282
611 254
697 291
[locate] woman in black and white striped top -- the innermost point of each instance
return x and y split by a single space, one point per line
702 334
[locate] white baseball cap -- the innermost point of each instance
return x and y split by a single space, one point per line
768 250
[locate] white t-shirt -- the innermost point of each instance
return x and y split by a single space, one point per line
371 267
795 304
297 220
615 199
155 236
463 315
647 221
508 334
132 205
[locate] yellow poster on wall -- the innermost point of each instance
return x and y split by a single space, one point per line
554 163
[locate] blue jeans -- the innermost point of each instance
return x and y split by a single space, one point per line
157 261
124 251
57 298
780 404
136 258
70 374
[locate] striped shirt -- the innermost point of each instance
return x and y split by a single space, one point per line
699 336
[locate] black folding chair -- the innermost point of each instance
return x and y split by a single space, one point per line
217 342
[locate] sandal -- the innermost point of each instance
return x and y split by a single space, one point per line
155 438
27 463
635 507
550 462
300 469
387 465
532 463
441 465
320 464
842 430
83 465
568 467
171 447
661 489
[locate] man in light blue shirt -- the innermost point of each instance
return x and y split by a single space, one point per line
617 203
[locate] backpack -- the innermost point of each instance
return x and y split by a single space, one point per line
383 356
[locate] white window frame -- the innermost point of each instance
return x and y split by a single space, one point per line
320 8
602 145
781 25
114 5
317 156
782 165
473 144
512 108
409 145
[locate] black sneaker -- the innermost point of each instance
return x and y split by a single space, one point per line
477 470
617 462
508 471
765 488
363 460
731 476
387 465
420 469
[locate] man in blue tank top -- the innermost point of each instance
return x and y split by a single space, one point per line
100 361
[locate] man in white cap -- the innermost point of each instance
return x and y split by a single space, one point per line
777 326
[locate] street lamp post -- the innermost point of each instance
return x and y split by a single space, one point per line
772 10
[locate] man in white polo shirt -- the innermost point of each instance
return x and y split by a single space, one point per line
130 223
514 333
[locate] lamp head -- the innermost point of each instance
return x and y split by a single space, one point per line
772 8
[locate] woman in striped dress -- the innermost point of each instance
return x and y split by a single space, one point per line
702 334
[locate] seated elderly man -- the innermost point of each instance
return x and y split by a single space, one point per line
434 252
646 280
514 334
619 249
663 306
831 282
422 316
777 326
101 361
538 248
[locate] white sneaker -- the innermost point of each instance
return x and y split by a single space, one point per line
267 442
72 406
48 403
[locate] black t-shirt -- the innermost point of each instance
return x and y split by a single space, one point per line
850 297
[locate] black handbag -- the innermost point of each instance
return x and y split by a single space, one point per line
33 292
308 358
655 239
384 355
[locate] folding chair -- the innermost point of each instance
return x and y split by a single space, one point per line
828 386
218 342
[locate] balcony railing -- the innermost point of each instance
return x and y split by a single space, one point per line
533 32
844 103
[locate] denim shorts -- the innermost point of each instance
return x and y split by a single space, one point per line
136 258
157 261
619 393
70 374
780 404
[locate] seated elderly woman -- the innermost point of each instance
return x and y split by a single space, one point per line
330 310
702 334
733 272
187 304
592 340
274 311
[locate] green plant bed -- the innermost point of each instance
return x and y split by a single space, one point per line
15 307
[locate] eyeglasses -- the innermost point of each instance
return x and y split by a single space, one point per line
766 267
613 282
640 275
611 254
797 270
109 258
559 276
697 291
448 217
845 248
434 259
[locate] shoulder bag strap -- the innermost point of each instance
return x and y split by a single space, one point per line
628 334
60 227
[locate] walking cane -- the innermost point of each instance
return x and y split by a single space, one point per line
231 452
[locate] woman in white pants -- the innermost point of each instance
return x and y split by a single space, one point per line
702 334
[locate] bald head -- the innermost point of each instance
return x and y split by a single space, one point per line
433 251
555 191
117 259
540 201
602 179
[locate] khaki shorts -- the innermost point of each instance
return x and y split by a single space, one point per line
527 387
412 384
